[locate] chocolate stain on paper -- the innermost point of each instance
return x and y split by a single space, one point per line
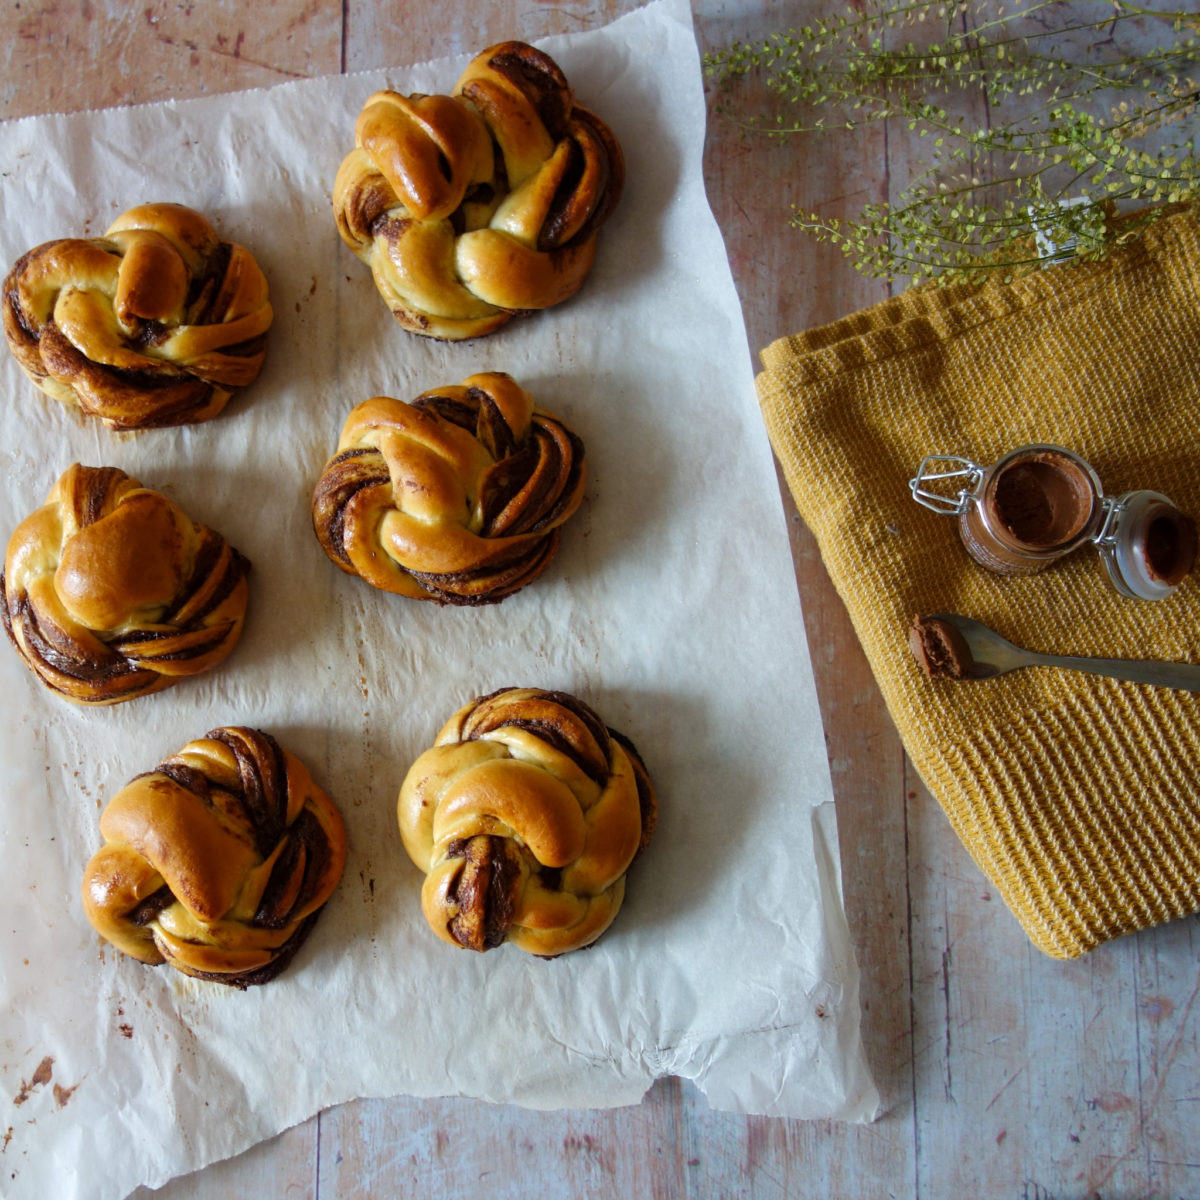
41 1075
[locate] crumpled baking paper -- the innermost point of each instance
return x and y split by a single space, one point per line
671 609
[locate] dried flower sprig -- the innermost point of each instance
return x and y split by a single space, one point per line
1094 132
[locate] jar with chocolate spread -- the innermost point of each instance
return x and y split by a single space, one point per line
1040 502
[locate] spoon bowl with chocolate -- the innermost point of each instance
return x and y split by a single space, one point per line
949 646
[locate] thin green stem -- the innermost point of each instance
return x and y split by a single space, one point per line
950 220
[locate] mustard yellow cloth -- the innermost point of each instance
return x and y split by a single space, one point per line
1078 797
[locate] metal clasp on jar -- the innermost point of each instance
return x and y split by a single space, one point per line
1030 507
943 470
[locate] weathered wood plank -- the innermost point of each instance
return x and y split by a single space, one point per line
753 185
455 1147
64 58
1166 988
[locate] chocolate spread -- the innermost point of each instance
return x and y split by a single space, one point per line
1170 546
1043 501
939 648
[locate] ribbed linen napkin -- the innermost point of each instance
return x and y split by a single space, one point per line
1077 796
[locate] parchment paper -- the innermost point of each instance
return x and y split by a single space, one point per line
671 609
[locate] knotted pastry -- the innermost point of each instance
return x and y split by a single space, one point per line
218 861
156 323
525 816
474 207
457 497
110 591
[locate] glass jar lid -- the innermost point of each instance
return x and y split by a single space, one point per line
1147 545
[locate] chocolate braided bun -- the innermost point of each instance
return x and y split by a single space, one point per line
156 323
525 816
218 861
457 497
110 591
474 207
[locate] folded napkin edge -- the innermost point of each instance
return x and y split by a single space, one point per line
929 314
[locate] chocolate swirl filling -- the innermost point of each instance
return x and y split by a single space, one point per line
514 504
168 384
483 890
306 856
121 664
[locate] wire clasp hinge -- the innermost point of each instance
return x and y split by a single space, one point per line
943 471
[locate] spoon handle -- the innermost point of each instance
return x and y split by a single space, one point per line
1184 676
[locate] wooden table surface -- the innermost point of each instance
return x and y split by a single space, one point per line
1003 1073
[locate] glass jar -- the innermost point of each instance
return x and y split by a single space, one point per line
1040 502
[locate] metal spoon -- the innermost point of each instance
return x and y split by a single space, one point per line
984 654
